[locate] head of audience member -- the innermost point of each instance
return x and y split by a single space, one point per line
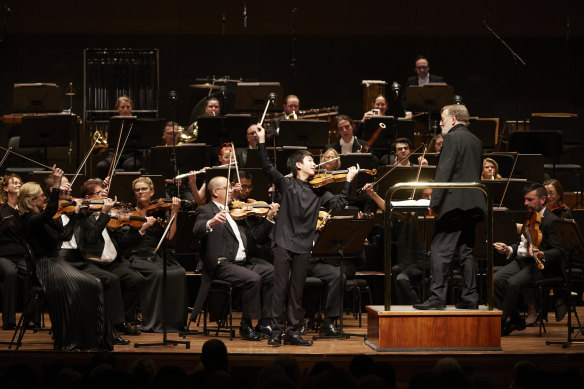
402 148
452 115
436 143
214 352
252 136
301 164
212 107
224 152
124 105
345 127
217 190
291 104
246 181
10 185
490 170
31 198
381 104
535 197
422 67
93 189
170 129
329 155
555 192
143 188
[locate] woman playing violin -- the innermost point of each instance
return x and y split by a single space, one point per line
555 200
154 309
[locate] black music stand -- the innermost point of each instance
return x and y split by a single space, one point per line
309 133
211 130
403 174
115 126
189 157
365 160
511 201
43 131
282 155
236 128
252 96
165 341
342 238
36 98
429 98
572 240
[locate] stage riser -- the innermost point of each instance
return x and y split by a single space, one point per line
433 330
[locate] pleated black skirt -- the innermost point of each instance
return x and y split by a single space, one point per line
76 307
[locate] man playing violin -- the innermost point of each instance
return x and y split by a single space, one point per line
522 271
102 247
227 257
70 227
293 236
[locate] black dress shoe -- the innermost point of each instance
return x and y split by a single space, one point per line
561 310
430 304
463 305
302 327
329 330
276 339
263 329
296 340
248 333
513 325
125 329
120 341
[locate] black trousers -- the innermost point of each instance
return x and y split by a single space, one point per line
256 282
330 275
509 281
450 234
289 277
13 284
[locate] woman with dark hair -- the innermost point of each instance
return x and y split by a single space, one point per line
555 199
435 145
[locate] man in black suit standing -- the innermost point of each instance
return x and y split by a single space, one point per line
224 247
458 209
522 271
421 78
348 142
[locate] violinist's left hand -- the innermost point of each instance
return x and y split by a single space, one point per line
175 205
537 253
353 171
108 204
236 189
274 208
78 203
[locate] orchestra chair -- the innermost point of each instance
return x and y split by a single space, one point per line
223 312
357 287
313 284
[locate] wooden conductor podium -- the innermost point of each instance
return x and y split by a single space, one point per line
403 328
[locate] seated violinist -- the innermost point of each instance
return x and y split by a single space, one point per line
156 311
348 142
70 228
555 199
226 257
103 248
523 268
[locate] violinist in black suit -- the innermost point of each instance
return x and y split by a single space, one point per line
458 209
522 270
224 245
348 142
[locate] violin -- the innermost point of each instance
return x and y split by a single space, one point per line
163 205
558 205
532 232
323 218
322 179
125 218
240 210
67 207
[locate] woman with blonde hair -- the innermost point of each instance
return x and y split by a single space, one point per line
490 170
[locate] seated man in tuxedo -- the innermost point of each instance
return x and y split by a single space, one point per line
252 143
224 248
348 142
523 270
402 148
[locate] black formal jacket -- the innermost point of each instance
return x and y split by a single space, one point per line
460 161
220 242
357 144
551 245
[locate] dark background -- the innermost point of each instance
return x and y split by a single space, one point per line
337 45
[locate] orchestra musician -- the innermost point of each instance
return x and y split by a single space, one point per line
421 78
75 299
103 248
252 143
555 199
13 267
435 145
490 170
348 142
402 148
291 108
170 128
522 270
227 257
155 310
458 210
72 251
212 108
293 236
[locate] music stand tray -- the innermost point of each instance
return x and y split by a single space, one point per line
403 174
252 96
308 133
342 238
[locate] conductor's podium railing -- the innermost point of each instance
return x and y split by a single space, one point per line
409 206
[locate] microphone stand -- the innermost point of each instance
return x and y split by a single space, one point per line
517 60
172 96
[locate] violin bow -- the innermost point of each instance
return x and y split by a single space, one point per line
5 156
509 179
228 181
9 150
396 165
97 138
118 154
235 160
419 171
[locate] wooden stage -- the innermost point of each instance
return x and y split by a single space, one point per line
252 356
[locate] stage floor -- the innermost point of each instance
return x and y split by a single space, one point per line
497 365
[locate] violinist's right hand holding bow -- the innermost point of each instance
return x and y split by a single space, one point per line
57 177
220 217
108 204
502 248
261 134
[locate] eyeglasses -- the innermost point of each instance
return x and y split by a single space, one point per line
422 67
246 186
402 148
141 190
